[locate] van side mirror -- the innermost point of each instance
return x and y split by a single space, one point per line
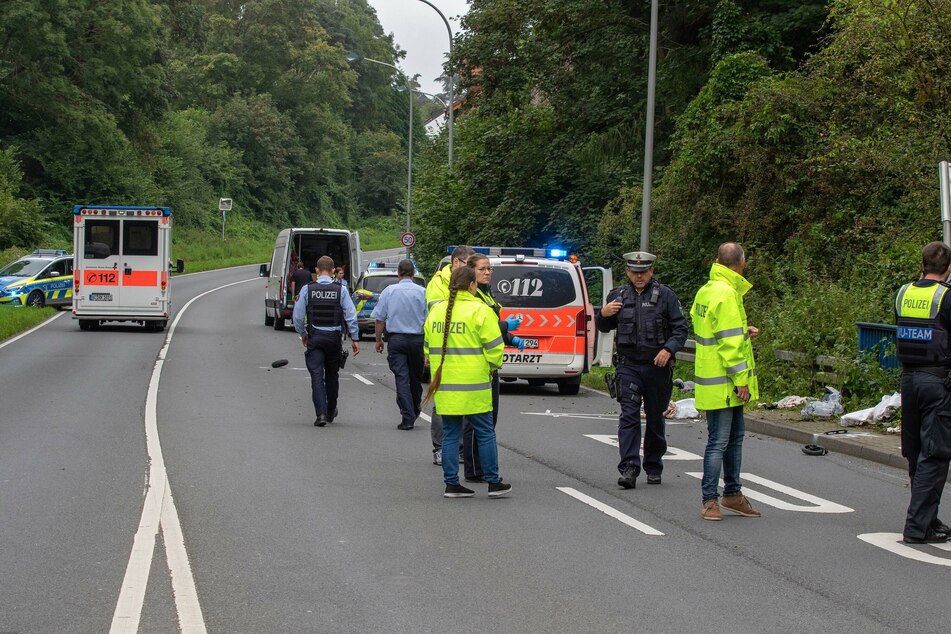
263 271
179 266
54 273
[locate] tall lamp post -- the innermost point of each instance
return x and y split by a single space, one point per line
452 100
649 130
353 57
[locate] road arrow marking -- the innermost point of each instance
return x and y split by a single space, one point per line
672 452
820 505
892 543
610 511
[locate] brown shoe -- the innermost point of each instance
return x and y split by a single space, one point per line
711 511
739 505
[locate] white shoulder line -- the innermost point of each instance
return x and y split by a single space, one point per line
33 329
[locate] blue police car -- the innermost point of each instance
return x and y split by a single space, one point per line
43 278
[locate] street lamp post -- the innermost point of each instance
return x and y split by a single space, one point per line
452 100
649 131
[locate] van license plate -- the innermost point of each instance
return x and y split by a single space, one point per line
531 343
100 297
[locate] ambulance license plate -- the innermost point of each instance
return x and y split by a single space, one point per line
531 343
100 297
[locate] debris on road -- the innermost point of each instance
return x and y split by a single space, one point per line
883 412
829 406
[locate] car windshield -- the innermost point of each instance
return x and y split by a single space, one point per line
376 283
24 268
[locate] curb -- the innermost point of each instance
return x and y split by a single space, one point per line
832 443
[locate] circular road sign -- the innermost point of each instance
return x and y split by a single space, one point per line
408 240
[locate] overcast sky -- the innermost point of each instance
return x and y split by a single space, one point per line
420 31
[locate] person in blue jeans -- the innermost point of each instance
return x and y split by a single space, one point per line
464 344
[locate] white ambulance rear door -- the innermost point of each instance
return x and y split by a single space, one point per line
600 281
144 258
98 256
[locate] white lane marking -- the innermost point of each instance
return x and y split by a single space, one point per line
154 516
425 417
612 417
820 505
672 452
33 329
611 511
363 380
892 543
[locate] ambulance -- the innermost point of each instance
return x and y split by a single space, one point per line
551 293
121 265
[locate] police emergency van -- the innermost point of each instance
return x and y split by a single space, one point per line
304 246
550 291
121 265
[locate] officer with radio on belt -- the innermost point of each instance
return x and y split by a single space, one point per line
923 345
651 328
327 307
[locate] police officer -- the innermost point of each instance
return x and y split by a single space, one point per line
401 311
651 328
436 291
923 315
327 306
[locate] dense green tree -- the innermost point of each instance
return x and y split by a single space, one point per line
20 220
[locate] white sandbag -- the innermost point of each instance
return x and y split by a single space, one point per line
686 408
887 407
854 419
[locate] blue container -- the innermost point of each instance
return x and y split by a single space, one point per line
879 339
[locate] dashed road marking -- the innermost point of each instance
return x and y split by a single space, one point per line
672 452
611 417
363 380
820 505
610 511
892 543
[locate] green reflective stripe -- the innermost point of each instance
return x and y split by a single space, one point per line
732 332
465 387
739 367
463 351
717 380
705 341
493 343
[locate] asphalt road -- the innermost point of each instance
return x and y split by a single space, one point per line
290 528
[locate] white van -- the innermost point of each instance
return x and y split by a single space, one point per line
121 265
549 291
305 246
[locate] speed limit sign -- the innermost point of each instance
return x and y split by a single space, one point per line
408 240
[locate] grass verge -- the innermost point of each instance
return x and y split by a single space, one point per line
16 319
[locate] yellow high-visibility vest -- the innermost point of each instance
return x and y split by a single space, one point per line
724 356
473 350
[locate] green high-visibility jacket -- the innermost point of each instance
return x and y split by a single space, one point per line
438 287
473 350
724 359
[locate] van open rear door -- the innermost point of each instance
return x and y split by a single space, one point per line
600 282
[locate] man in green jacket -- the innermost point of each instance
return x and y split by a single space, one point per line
725 377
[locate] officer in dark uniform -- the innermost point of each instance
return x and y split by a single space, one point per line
651 328
923 315
327 306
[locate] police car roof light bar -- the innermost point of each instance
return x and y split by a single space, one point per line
529 251
50 252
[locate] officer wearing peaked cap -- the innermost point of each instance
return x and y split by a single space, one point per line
651 328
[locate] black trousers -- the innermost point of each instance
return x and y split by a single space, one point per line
655 386
323 363
470 447
926 444
404 353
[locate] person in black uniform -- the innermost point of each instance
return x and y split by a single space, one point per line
923 315
327 306
651 328
299 280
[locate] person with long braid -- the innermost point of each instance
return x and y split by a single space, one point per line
464 345
470 450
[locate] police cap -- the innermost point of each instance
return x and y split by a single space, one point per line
639 261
